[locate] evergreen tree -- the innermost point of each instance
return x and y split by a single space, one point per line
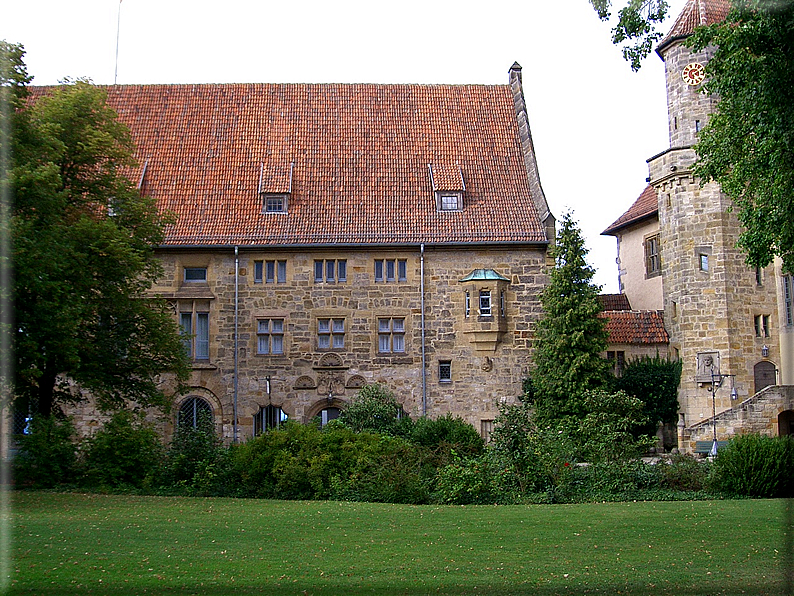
83 240
570 337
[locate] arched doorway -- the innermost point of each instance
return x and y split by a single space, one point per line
785 423
764 374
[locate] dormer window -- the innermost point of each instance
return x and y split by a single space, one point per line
275 186
274 203
448 186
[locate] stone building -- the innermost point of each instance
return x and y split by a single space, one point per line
329 236
730 324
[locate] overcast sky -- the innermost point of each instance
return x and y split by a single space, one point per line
594 121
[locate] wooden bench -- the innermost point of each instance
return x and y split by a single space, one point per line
705 446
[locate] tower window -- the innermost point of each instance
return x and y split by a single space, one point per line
762 325
445 371
703 260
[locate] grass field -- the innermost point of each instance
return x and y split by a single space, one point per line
117 545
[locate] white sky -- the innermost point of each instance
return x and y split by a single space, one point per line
594 121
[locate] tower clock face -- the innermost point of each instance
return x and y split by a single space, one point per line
693 73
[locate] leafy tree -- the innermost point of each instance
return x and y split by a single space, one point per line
83 242
570 337
748 143
636 26
654 380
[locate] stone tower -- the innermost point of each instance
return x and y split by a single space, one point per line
721 314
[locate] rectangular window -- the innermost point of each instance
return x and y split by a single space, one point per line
330 334
486 428
391 335
762 325
195 331
617 361
445 371
258 271
270 336
195 274
450 203
485 303
759 276
703 262
468 303
330 271
788 299
653 263
391 270
275 203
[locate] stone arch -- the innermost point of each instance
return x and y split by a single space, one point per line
356 382
764 374
322 404
191 402
331 360
785 423
305 382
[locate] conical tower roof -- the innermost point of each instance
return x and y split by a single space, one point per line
695 14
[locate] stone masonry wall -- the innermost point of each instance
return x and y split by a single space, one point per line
303 377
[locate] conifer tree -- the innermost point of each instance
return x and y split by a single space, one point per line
570 337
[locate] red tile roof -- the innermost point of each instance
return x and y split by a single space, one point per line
354 157
635 327
695 14
614 302
644 207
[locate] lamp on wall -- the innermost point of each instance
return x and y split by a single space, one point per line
765 351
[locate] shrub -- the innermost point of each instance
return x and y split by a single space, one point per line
374 408
447 433
482 480
755 466
684 473
195 461
655 382
124 453
47 456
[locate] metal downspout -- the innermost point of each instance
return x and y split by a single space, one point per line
236 337
424 354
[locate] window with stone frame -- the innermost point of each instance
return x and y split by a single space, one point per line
653 261
391 270
391 335
762 325
195 330
617 360
331 333
445 371
195 412
270 336
788 299
274 271
195 275
330 270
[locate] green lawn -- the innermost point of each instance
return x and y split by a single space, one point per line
97 544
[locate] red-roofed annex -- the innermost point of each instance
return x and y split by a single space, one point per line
326 236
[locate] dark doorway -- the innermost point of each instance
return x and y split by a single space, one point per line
764 373
785 423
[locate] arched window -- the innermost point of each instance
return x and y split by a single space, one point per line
195 412
268 418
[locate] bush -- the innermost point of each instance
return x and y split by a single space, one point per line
124 453
447 433
655 382
482 480
755 466
373 409
47 456
195 461
685 473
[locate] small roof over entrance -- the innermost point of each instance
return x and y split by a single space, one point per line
484 274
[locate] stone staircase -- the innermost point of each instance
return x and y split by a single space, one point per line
757 414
